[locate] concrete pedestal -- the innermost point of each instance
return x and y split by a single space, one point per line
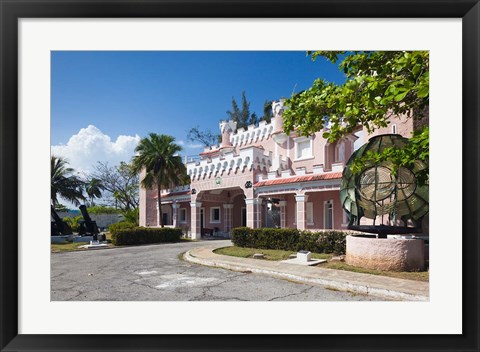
386 254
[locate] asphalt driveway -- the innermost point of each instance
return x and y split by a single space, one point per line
156 273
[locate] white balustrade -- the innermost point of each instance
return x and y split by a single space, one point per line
253 133
246 160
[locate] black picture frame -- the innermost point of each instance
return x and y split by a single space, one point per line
11 11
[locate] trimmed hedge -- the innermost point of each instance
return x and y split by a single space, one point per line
329 241
144 235
121 226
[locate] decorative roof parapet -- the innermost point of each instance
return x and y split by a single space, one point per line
253 133
246 160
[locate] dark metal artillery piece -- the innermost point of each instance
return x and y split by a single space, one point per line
87 226
58 226
377 192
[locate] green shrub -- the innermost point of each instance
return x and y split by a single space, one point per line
145 235
102 209
120 226
131 216
239 236
290 239
333 242
74 222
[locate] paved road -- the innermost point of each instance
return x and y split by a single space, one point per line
155 273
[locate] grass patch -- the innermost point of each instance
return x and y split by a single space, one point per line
409 275
270 254
273 254
65 247
73 246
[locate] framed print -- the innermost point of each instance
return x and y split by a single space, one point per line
37 35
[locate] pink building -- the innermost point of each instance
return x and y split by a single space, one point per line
260 177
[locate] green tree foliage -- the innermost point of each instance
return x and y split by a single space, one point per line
206 138
267 111
74 222
242 117
102 209
379 85
64 183
159 156
120 185
93 188
132 216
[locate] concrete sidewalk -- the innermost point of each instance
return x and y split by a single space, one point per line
376 285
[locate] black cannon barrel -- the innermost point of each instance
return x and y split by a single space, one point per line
55 216
58 226
84 211
88 226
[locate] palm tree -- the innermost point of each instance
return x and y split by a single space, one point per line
158 156
94 188
64 183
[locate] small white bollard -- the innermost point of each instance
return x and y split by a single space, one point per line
304 256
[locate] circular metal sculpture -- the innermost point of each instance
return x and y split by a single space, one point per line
377 193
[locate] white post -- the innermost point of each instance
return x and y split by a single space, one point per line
301 200
195 220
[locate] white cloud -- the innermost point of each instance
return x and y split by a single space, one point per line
90 145
195 146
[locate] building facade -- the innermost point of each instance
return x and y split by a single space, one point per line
261 177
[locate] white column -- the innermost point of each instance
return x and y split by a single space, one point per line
143 206
254 219
301 200
196 233
283 213
175 207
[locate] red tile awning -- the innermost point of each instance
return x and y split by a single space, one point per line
303 178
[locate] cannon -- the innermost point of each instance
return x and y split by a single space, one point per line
58 226
87 226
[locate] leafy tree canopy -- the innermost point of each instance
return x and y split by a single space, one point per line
378 85
267 111
159 156
93 188
241 116
206 138
64 183
120 185
102 209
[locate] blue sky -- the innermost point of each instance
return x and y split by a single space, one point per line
103 102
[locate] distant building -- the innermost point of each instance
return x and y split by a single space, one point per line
260 177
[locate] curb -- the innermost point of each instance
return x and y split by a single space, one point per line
343 286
